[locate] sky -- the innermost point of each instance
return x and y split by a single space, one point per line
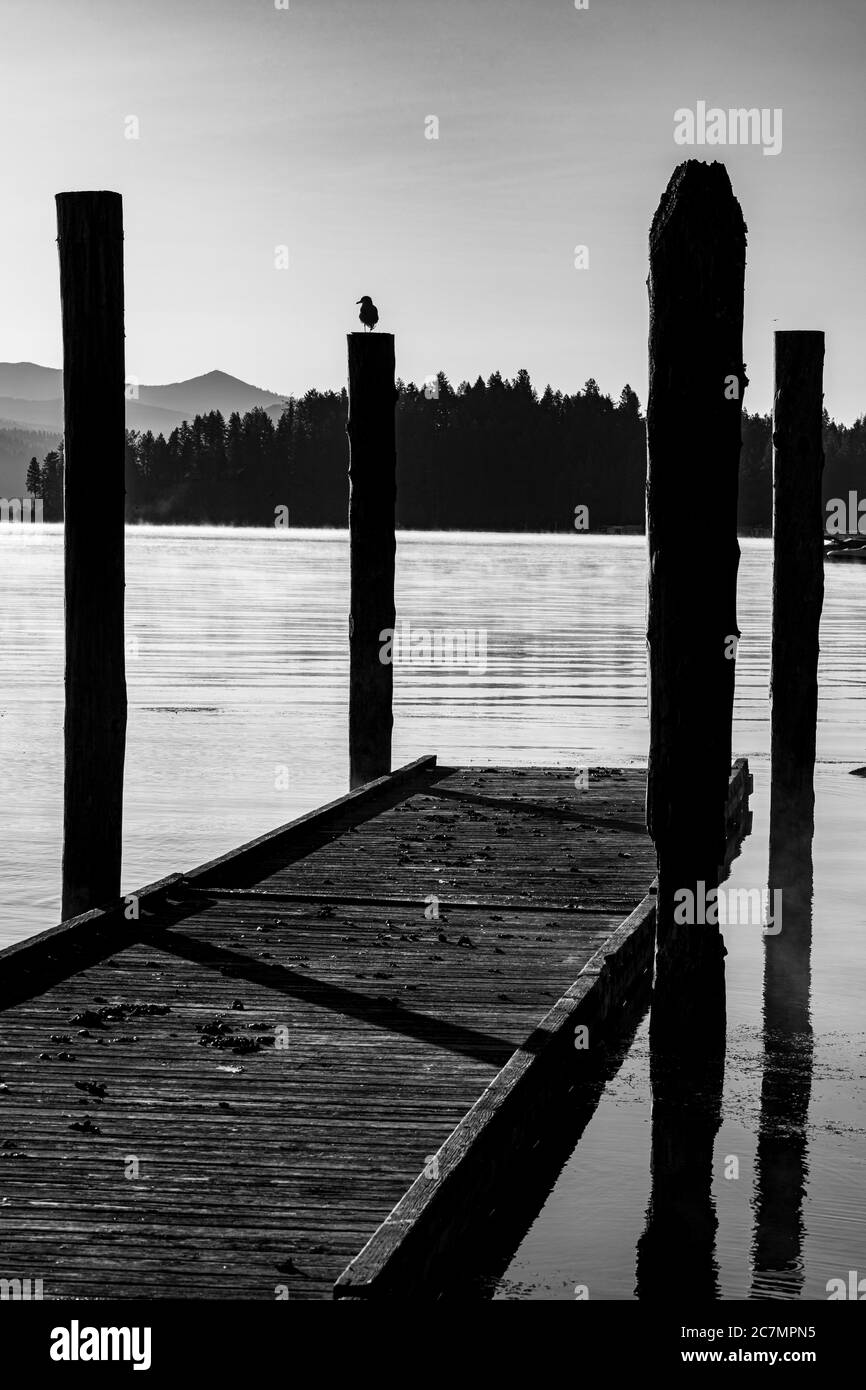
307 128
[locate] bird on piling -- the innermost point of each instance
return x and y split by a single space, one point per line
369 314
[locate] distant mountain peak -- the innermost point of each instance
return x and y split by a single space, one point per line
211 386
31 398
31 381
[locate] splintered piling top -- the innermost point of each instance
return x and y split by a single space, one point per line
698 208
697 261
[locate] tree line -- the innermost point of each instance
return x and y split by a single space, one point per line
493 455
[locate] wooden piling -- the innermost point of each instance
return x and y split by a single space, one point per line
372 503
696 382
798 581
90 242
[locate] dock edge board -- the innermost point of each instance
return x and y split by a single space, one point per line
31 965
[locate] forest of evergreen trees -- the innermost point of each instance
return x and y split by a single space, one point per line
490 456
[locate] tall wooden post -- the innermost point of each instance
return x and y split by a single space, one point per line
372 502
798 581
781 1165
696 382
90 241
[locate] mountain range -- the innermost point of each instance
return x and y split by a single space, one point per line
31 410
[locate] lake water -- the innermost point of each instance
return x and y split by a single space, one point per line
238 694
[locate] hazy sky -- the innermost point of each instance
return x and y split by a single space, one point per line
305 127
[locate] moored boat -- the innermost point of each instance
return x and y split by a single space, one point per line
853 549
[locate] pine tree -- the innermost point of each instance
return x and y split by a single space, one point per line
34 478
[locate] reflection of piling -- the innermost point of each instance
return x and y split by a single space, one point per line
798 580
90 241
372 502
677 1247
696 378
781 1164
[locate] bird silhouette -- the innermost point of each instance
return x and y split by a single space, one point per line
369 314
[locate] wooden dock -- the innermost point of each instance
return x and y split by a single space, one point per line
237 1094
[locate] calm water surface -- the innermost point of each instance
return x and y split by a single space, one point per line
238 696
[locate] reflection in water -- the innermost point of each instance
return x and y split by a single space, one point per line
535 1158
782 1158
687 1069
